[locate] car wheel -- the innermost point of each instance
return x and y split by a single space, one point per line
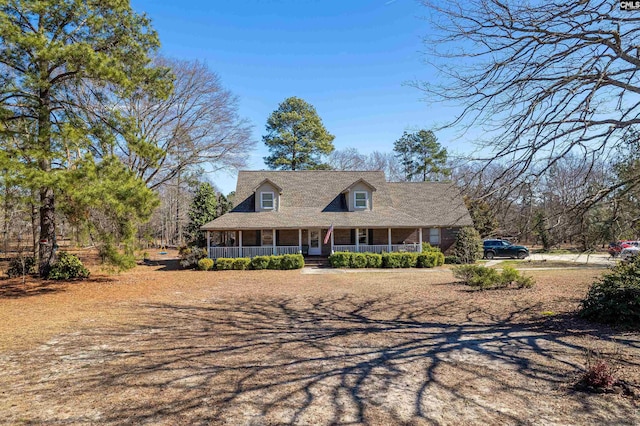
522 255
489 255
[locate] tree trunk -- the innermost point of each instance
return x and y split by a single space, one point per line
178 227
34 229
7 220
47 240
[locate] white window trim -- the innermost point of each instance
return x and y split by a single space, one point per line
366 199
262 232
273 201
439 236
366 236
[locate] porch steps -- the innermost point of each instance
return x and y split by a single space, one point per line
316 262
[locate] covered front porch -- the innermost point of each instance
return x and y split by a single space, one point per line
314 241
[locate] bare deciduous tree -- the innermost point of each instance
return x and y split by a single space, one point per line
352 159
542 79
197 124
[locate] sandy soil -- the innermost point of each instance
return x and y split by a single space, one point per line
160 346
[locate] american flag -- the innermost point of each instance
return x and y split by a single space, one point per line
326 238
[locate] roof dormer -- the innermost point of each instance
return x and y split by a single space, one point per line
267 196
359 195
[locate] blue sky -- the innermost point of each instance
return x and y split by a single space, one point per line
350 59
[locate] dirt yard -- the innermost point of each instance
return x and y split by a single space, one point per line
160 346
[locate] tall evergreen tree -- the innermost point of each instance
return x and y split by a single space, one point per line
203 209
421 156
296 137
53 56
483 216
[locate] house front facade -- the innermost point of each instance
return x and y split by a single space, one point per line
319 212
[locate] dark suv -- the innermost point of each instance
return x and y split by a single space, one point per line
497 248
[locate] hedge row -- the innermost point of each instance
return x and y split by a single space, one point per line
388 260
286 261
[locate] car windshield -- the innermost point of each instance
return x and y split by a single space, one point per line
506 243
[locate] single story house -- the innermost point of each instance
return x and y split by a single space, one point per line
285 212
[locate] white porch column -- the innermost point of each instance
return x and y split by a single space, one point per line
332 242
240 242
273 232
389 240
357 241
208 244
300 240
420 239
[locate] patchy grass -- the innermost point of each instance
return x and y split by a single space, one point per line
528 263
278 347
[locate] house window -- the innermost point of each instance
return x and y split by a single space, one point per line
363 236
434 236
266 200
360 199
267 237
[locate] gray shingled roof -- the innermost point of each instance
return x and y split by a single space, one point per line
312 199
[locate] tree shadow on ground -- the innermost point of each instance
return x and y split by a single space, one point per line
335 360
14 288
164 264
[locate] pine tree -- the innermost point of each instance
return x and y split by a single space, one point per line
203 209
421 156
483 216
468 245
296 137
541 231
54 57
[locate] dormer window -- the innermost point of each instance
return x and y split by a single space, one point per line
266 200
360 199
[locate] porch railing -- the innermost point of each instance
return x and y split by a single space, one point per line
377 248
233 252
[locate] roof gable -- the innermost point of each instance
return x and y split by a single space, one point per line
270 182
361 180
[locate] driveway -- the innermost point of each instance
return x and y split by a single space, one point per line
577 258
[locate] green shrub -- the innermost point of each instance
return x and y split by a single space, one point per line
486 278
428 248
615 297
374 260
482 278
224 264
67 266
241 263
260 262
465 272
399 260
429 259
275 262
19 266
451 260
110 255
190 256
468 246
509 275
340 259
358 260
292 261
390 261
524 281
205 264
407 260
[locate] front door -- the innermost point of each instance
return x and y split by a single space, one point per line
314 242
